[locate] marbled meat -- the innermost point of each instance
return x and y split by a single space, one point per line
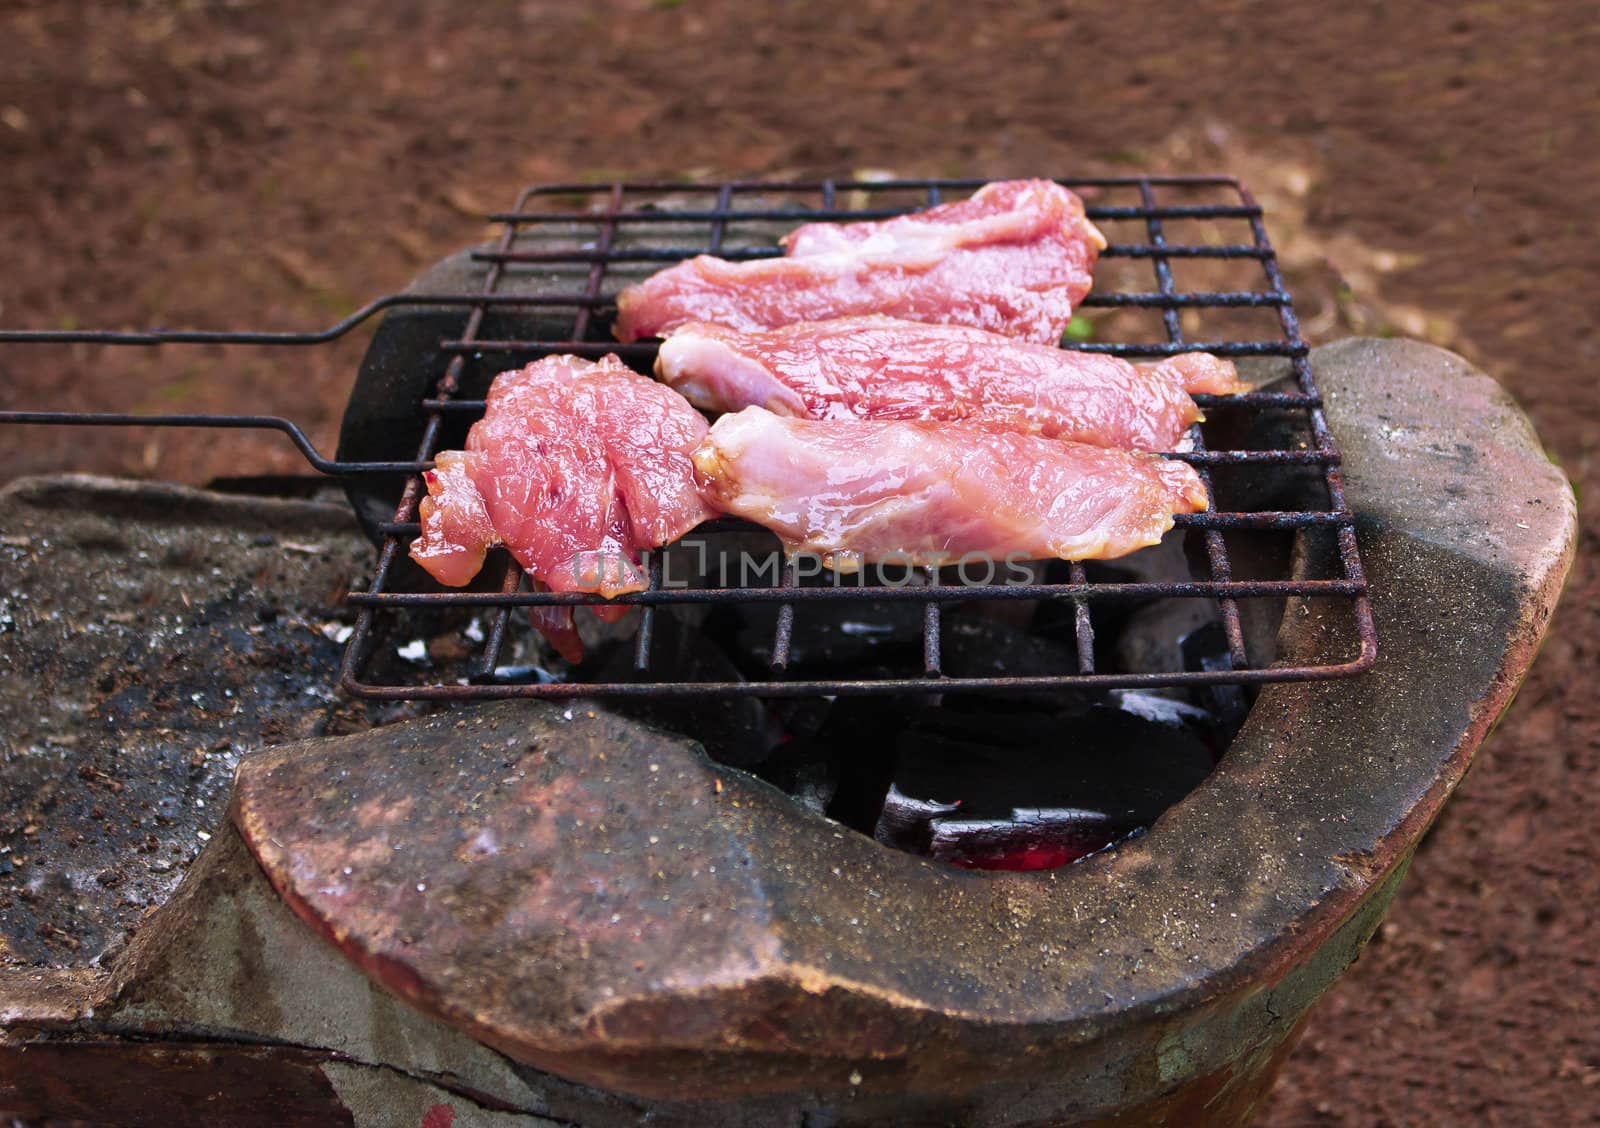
860 491
1015 258
576 467
878 367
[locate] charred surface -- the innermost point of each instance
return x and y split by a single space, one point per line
150 637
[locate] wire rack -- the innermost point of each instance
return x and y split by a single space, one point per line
548 285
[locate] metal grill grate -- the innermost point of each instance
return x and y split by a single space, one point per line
617 234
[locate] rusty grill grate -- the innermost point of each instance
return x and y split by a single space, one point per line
560 257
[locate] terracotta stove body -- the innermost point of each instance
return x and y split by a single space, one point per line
766 966
545 912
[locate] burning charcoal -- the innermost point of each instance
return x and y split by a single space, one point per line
1039 789
1030 839
907 823
1103 759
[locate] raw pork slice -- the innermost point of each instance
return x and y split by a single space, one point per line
886 368
934 493
576 467
1015 258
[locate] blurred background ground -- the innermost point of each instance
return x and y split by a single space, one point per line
1428 170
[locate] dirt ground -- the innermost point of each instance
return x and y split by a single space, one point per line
1428 170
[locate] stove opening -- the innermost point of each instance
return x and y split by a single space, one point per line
1022 779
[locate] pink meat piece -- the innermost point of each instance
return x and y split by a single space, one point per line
885 368
1200 373
853 491
576 467
1015 259
456 530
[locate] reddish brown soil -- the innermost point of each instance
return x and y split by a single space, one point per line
241 164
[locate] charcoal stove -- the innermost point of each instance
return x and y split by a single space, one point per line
591 921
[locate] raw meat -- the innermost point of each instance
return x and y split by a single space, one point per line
456 530
576 467
886 368
1200 373
859 491
1015 258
